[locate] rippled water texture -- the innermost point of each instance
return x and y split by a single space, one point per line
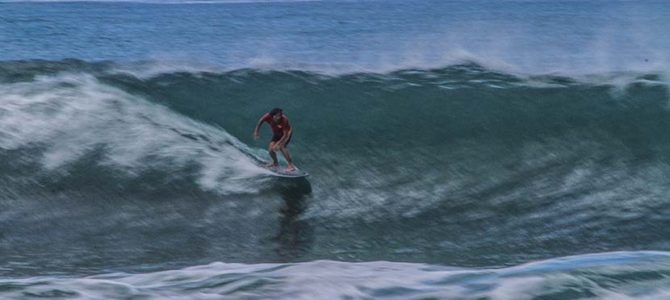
456 150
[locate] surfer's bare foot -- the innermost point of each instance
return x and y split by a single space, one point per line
290 168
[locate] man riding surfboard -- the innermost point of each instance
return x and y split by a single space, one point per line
281 136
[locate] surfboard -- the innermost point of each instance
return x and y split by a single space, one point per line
281 171
275 171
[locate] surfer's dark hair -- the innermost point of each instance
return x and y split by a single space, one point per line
276 110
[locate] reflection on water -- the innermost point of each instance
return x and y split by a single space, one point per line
295 235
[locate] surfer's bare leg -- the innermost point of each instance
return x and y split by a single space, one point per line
273 154
284 151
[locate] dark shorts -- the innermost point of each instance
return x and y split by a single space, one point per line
277 137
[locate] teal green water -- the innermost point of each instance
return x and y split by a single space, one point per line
444 163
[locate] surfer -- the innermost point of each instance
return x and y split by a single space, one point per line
281 136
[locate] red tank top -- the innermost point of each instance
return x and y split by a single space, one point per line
280 127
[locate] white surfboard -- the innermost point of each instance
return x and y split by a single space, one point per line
280 171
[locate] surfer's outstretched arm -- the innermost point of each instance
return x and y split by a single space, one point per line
258 127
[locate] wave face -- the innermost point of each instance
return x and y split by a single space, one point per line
106 169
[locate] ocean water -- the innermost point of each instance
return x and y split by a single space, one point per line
513 149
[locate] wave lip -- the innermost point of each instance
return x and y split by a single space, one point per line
460 73
620 275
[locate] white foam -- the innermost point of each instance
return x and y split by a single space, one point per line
323 279
71 115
